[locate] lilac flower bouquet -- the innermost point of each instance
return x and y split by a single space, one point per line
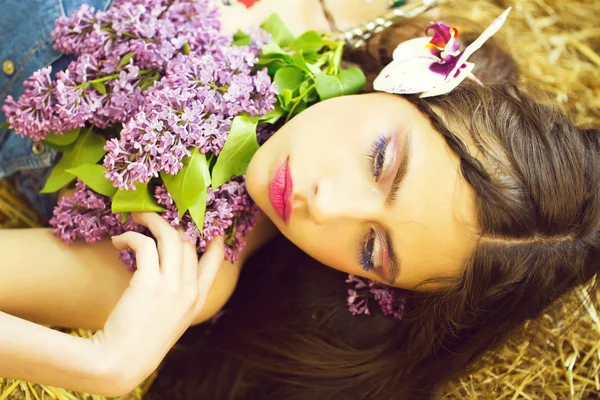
159 111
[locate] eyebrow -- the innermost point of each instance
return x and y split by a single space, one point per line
401 171
394 260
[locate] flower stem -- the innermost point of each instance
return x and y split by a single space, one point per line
109 77
303 95
337 57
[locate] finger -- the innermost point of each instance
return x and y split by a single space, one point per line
208 266
169 244
146 254
189 262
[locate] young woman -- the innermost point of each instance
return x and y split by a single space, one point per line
163 297
496 216
481 203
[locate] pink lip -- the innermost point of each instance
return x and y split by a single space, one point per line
280 191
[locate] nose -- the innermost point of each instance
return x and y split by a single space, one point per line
334 201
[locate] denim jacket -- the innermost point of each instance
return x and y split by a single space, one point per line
25 27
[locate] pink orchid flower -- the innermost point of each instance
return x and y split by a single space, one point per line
433 65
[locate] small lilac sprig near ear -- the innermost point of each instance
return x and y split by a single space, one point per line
433 65
391 301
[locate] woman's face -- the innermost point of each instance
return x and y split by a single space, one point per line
365 185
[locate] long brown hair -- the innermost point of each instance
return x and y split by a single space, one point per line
288 335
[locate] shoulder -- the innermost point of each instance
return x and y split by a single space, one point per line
228 275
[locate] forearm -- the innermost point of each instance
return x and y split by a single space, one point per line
50 282
34 353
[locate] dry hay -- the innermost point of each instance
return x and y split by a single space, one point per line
14 213
11 389
557 45
558 357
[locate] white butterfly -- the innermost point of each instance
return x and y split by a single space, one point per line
432 69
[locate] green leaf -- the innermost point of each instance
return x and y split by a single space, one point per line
274 56
100 87
308 89
312 96
314 69
308 42
328 86
93 175
279 32
287 98
149 80
125 59
273 50
238 151
241 38
289 78
300 62
186 186
349 81
60 149
138 200
272 116
5 125
353 80
88 149
198 209
299 107
64 139
186 49
124 217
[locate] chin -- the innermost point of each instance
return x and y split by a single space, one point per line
256 186
252 188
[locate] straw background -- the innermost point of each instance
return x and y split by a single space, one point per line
557 45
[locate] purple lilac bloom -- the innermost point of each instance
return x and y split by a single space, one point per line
258 38
128 258
191 106
71 35
75 105
87 215
123 101
392 301
32 115
229 212
181 88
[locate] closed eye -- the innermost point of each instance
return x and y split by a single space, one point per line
381 158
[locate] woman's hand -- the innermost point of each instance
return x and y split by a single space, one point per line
168 289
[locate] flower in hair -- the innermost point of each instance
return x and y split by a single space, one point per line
433 65
391 301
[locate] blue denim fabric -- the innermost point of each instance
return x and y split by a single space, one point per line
25 27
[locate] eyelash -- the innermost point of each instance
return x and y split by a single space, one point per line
365 253
376 162
377 156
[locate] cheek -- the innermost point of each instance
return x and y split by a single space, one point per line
331 247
